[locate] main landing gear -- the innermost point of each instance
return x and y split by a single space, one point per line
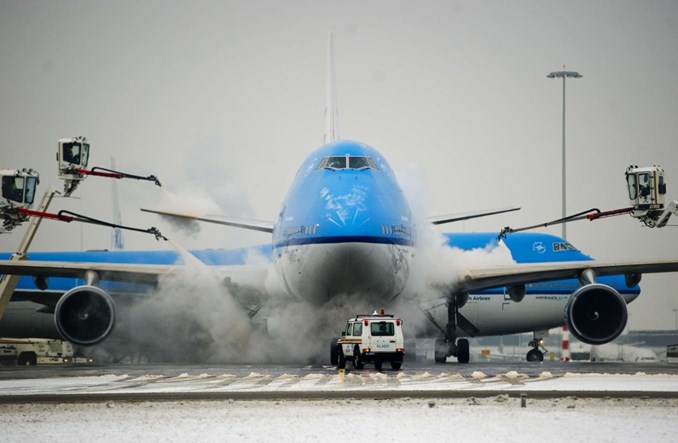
444 349
450 346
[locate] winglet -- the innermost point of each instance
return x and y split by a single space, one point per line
331 110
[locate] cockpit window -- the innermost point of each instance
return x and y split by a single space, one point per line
336 163
347 162
358 163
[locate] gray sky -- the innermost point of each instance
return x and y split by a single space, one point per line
223 101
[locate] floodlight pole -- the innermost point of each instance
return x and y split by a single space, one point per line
564 75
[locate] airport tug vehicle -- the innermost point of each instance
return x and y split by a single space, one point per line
375 338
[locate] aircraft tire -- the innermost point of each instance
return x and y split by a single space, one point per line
535 355
440 353
463 353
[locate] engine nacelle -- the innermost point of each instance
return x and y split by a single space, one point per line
516 292
85 315
596 314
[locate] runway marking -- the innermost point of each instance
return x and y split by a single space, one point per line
325 382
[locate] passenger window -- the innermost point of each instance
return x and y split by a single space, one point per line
382 328
358 329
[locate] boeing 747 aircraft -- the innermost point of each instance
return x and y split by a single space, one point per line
345 231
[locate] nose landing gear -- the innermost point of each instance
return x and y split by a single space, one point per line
535 354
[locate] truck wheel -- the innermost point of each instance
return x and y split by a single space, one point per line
341 360
357 361
395 365
334 352
377 365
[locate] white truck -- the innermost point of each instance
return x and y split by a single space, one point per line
38 351
375 338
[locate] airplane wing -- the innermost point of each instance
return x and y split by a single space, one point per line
451 218
498 276
91 317
255 225
250 276
146 274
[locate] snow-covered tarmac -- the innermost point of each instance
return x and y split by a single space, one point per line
422 406
340 385
494 419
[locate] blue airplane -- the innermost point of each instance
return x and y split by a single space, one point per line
345 231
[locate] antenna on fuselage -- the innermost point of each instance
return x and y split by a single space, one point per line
331 110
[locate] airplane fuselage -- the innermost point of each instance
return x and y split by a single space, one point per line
345 228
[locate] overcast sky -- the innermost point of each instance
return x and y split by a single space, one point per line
224 100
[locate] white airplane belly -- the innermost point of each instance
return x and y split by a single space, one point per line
316 273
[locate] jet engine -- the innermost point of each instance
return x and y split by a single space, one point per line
517 293
85 315
596 314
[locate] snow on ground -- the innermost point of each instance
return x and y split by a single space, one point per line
511 381
498 418
477 419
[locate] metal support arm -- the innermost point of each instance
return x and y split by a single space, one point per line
8 282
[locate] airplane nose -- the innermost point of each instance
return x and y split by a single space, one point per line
347 210
359 268
356 213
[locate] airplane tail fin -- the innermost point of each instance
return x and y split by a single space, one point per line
331 110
